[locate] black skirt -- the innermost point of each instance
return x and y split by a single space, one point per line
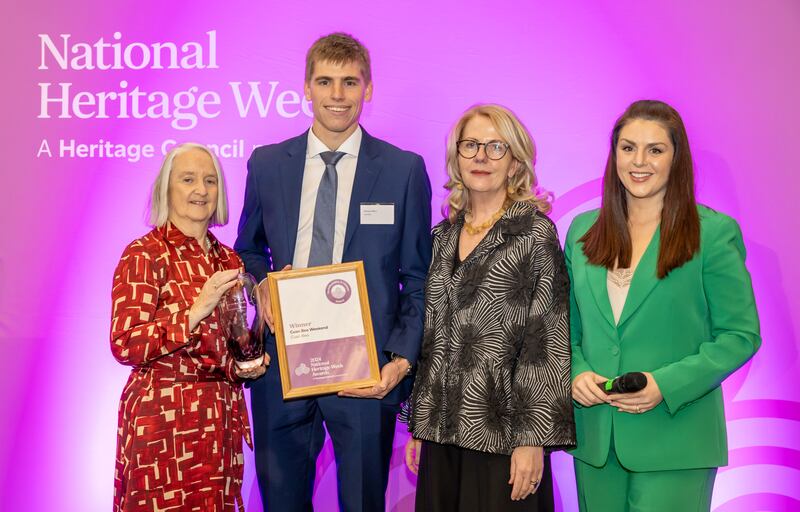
455 479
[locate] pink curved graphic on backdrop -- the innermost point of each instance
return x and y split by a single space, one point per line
759 502
771 455
575 197
783 409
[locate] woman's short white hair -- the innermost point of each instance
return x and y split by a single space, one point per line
159 198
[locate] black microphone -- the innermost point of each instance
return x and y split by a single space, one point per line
628 383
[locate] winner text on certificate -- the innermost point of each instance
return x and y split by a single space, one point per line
323 330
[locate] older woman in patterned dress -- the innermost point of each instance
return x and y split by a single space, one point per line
182 415
492 391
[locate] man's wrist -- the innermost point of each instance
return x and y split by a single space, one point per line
404 364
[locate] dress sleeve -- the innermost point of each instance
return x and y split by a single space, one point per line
541 388
735 334
141 331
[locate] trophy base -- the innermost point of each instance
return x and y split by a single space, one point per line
251 364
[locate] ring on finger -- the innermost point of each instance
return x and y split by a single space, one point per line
638 409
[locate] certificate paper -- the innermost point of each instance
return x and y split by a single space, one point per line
323 329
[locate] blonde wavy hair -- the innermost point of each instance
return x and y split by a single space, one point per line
523 185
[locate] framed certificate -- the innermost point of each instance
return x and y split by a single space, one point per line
323 329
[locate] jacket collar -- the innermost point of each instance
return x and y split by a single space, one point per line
518 220
351 146
174 236
368 169
643 281
291 183
644 278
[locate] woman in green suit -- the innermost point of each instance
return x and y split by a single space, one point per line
659 286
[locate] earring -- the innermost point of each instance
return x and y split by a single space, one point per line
459 186
510 189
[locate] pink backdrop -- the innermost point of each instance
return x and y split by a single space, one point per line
568 69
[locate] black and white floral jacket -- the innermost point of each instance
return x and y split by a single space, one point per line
494 372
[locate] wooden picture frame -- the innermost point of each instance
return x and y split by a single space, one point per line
323 329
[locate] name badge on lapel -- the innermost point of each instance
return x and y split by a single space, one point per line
377 213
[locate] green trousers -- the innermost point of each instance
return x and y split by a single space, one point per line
612 488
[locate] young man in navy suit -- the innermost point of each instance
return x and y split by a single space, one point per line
305 205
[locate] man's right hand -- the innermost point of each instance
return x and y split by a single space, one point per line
265 304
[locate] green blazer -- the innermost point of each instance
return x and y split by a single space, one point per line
690 330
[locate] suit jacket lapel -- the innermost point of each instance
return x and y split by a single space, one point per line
597 276
291 175
368 169
644 278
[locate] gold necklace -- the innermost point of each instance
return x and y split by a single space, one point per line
480 228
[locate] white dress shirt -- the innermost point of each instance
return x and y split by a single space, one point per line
312 175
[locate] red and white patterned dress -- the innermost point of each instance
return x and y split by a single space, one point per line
182 414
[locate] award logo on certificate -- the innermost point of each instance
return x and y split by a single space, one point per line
323 329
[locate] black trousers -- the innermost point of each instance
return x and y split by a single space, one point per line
454 479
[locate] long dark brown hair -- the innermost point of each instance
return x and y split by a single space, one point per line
608 241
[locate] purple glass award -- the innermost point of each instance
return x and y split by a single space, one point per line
241 324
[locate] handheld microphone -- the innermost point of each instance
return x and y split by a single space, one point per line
627 383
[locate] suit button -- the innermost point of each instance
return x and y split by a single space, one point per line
614 351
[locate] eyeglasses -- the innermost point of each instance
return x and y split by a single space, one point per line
495 149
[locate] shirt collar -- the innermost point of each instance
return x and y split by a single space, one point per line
350 146
178 238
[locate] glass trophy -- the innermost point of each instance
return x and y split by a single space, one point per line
241 323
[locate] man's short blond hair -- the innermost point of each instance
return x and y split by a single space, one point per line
338 48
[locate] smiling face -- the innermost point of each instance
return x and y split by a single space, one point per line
480 174
337 93
644 155
193 190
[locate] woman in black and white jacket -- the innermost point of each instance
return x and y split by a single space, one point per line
492 390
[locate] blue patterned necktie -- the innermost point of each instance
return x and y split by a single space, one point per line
325 212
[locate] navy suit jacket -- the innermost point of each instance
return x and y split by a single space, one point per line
396 257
